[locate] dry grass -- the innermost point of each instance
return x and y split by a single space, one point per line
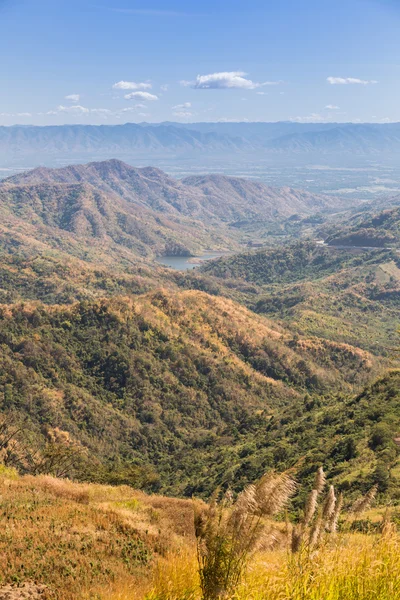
228 532
93 542
80 538
356 567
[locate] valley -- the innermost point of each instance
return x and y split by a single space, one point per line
199 300
141 363
182 336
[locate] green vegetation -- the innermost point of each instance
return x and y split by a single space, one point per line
374 229
187 380
350 297
116 371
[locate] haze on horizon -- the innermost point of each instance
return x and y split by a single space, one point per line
97 62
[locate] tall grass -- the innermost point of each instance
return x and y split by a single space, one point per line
228 532
86 541
354 567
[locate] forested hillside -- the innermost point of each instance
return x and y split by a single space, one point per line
379 230
167 377
134 373
343 295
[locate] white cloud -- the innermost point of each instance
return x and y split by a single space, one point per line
332 107
133 108
165 87
225 80
182 106
313 118
21 114
228 120
100 111
73 98
262 93
131 85
349 81
77 109
387 120
183 114
145 96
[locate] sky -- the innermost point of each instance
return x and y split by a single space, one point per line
117 61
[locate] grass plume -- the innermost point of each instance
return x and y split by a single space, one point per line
228 532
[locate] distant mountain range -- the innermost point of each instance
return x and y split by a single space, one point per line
118 212
47 145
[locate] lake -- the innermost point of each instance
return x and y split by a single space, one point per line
183 263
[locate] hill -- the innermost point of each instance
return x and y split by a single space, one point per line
209 198
344 295
78 217
110 213
30 271
165 379
378 229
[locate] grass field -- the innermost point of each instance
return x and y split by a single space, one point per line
86 541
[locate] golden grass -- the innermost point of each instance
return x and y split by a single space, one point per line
94 542
79 539
357 568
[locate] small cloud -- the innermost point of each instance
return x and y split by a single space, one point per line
73 98
183 114
165 87
225 80
313 118
131 85
182 106
228 120
349 81
145 96
21 114
332 107
262 93
75 109
133 108
386 120
100 111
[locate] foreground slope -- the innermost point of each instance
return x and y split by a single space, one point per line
81 540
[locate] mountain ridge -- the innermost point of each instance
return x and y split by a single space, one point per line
204 196
179 139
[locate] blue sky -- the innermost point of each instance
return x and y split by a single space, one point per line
113 61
